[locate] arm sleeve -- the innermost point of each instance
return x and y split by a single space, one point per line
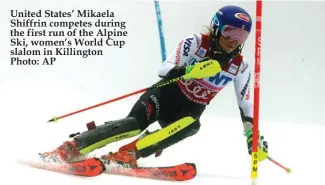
242 87
174 65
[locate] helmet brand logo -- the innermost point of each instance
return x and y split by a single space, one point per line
243 17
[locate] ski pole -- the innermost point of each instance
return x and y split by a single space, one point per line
54 119
200 70
288 170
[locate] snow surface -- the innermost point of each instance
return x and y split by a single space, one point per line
218 149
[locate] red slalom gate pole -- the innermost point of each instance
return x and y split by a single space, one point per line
258 32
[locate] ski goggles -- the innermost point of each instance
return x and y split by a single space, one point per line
233 33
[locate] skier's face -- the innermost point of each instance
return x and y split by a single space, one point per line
227 44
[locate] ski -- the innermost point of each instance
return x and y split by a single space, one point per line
93 167
180 172
89 167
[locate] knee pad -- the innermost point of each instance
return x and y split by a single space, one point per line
107 133
167 136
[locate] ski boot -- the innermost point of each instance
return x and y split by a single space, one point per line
67 152
126 156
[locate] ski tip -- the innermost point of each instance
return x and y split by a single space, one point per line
188 171
181 172
191 164
88 168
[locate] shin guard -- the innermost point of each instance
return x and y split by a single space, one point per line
167 136
107 133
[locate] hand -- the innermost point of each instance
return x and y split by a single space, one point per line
262 151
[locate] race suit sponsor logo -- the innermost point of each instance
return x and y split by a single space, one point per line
220 79
148 108
178 52
201 52
244 68
196 92
233 69
242 93
155 101
243 17
187 46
